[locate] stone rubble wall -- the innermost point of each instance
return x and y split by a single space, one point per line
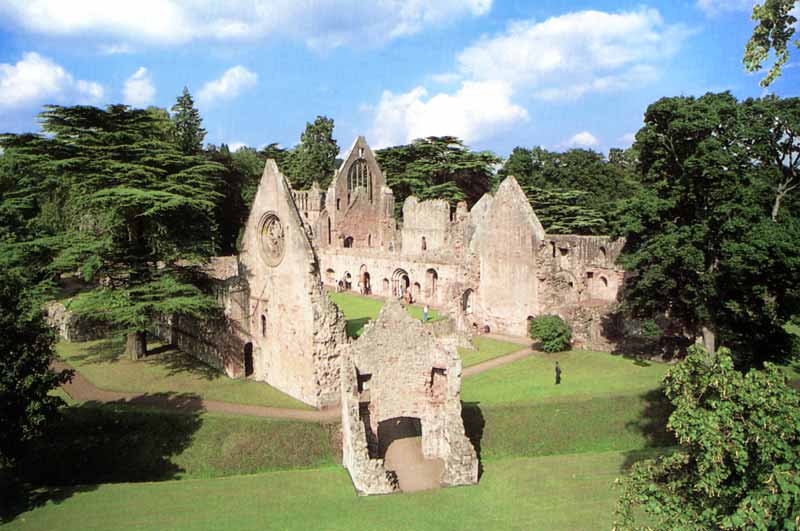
75 328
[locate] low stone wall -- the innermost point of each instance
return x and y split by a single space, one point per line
74 328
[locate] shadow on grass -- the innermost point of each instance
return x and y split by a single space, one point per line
103 351
175 362
474 424
652 423
100 443
355 326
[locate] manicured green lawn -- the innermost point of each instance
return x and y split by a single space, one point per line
486 349
566 492
585 375
103 363
359 310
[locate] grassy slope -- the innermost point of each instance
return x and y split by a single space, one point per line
586 375
104 365
359 310
567 492
486 349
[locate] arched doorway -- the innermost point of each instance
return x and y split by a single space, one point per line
468 302
348 280
400 282
348 242
391 430
431 281
364 279
248 360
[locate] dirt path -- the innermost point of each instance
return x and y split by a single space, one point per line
497 362
81 389
414 472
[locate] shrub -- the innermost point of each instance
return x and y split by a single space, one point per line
552 331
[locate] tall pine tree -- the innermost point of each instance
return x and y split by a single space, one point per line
188 125
314 158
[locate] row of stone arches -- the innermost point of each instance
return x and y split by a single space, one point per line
398 285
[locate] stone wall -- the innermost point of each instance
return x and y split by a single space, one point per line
75 328
398 369
426 226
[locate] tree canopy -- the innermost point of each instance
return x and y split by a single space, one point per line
187 124
437 168
738 464
130 210
702 247
26 379
773 33
314 158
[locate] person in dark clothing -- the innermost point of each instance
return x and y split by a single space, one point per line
558 374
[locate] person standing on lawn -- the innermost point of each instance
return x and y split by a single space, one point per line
558 374
425 313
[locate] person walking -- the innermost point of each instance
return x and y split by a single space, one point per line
425 313
558 374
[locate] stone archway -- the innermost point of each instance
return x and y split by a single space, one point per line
431 283
400 282
468 302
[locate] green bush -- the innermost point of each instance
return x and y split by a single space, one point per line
552 331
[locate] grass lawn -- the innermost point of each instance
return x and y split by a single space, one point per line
359 310
486 349
103 363
566 492
586 375
115 443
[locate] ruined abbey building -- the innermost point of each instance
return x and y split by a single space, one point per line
492 265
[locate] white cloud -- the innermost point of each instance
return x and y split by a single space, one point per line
116 49
713 7
582 139
477 110
229 86
628 138
321 24
573 54
139 89
35 79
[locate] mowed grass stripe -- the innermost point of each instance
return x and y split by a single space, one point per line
567 492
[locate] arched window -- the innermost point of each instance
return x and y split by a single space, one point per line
329 231
359 175
369 240
263 325
424 244
338 203
431 281
348 242
604 280
467 301
603 254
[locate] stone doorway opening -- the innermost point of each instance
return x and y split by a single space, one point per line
391 430
248 360
400 282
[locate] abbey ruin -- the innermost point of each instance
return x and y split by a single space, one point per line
492 266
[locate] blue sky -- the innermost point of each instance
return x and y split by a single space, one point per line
497 73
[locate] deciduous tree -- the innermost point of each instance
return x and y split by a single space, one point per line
773 33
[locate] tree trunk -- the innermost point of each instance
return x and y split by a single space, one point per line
136 345
709 339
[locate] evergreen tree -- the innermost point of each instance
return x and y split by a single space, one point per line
26 379
437 168
188 125
142 216
314 158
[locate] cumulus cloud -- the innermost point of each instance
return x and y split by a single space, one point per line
139 89
477 110
582 139
229 86
328 24
572 54
233 147
35 79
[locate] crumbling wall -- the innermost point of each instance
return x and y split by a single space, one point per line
72 327
426 226
405 371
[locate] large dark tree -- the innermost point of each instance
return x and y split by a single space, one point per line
188 125
576 191
437 168
738 464
26 379
772 34
701 243
139 214
313 159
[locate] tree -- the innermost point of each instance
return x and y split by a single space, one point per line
142 216
188 124
738 464
552 331
701 246
26 379
313 159
578 188
437 168
773 32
